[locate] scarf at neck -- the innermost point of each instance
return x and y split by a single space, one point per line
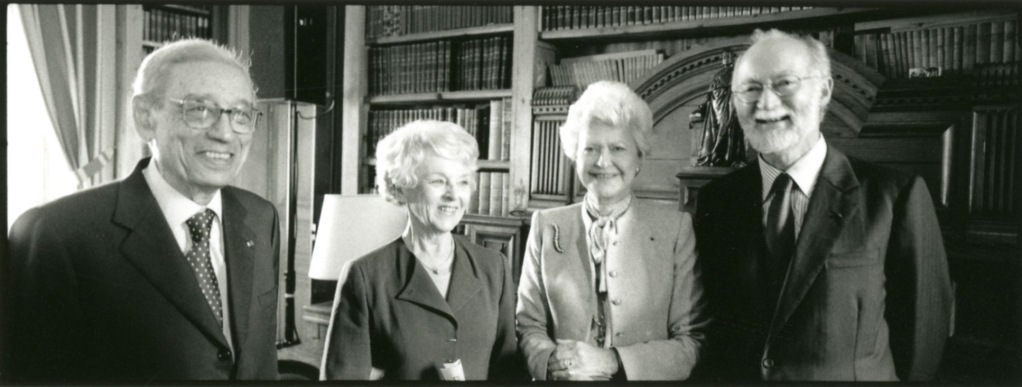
600 231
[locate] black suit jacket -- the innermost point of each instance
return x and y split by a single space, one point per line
101 292
867 296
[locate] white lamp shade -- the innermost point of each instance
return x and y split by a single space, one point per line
351 226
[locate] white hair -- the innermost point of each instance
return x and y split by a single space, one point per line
399 154
612 104
153 74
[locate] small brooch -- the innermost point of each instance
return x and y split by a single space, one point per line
557 239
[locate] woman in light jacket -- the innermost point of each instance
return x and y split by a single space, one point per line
429 305
609 286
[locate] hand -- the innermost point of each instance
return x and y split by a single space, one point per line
376 373
576 360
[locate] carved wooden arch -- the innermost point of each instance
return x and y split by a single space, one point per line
686 77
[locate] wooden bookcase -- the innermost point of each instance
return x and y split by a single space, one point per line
396 77
165 22
959 131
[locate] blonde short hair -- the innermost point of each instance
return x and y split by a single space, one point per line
612 104
399 154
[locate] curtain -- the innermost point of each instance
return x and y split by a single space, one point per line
74 51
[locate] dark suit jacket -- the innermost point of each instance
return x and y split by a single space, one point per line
101 292
389 315
867 296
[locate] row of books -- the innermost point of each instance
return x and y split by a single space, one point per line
566 17
161 25
489 123
396 20
952 50
492 195
554 96
476 64
550 173
622 67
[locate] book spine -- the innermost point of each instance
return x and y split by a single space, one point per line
484 193
958 40
969 56
505 128
473 202
505 194
996 42
495 133
496 188
1010 41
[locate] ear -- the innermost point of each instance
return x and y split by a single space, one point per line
145 123
398 193
826 90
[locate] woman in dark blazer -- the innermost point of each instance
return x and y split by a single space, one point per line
429 305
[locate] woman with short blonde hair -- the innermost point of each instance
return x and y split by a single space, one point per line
429 305
632 310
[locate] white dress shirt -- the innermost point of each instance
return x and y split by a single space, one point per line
176 209
803 174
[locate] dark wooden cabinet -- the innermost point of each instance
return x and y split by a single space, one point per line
504 234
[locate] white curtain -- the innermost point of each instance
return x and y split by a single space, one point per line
74 50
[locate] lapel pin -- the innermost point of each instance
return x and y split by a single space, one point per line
557 239
249 243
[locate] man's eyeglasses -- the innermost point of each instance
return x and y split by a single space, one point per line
203 115
782 87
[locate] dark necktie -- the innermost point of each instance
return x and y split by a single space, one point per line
199 258
780 228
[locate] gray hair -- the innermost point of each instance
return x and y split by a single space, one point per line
818 56
399 155
613 104
154 74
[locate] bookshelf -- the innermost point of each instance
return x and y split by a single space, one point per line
165 22
950 126
446 63
953 120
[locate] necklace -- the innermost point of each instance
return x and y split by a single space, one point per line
443 268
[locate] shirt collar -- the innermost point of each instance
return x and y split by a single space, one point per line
803 173
176 207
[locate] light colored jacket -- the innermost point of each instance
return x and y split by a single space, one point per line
653 286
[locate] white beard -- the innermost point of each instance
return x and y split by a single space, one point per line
772 141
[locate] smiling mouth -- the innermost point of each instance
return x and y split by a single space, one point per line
448 209
603 176
771 120
217 155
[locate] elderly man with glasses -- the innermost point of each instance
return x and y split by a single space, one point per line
817 266
168 275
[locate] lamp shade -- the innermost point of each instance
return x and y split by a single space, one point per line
351 226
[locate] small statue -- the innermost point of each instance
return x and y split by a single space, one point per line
723 143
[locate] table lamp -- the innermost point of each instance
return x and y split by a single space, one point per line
351 226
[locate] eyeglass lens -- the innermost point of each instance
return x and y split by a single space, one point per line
201 115
783 86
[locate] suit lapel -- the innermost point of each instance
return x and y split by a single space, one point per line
151 248
238 239
465 282
749 211
419 288
834 200
576 231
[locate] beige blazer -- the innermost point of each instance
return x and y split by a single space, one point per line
653 284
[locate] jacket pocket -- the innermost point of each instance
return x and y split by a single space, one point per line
853 258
